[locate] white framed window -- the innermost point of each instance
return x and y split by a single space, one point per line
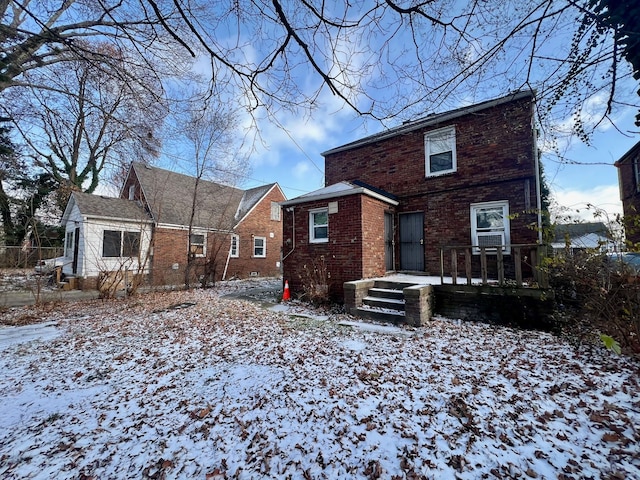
259 247
68 246
490 226
197 244
319 225
275 211
636 172
234 251
440 151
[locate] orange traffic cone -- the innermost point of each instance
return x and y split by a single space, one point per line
286 295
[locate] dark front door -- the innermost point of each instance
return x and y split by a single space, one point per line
412 241
76 241
388 241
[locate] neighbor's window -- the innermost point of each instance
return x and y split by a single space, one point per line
120 244
130 244
111 243
68 249
490 226
275 211
196 244
235 246
440 151
319 225
259 247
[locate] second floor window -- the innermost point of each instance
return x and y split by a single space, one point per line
440 151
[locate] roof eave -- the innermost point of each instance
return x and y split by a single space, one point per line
341 193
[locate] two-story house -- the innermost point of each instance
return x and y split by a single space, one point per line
395 201
164 220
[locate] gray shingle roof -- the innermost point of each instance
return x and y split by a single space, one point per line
170 197
107 207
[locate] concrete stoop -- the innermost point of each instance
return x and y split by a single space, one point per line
386 301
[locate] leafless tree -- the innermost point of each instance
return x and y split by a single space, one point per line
86 120
210 133
383 58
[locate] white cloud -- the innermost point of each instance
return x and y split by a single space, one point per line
575 203
301 169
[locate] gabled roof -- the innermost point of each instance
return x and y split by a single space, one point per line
251 198
105 207
431 120
170 196
629 154
341 189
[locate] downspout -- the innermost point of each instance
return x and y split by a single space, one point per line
226 265
293 247
536 156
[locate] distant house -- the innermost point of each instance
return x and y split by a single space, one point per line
397 200
575 237
629 182
164 218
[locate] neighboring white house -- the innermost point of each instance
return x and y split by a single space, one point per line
104 235
582 236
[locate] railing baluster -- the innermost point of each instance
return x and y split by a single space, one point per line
483 265
517 259
500 265
467 264
454 266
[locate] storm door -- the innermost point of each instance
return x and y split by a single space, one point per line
388 241
412 241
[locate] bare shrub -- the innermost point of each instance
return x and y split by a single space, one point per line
316 281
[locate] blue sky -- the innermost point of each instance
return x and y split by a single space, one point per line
292 157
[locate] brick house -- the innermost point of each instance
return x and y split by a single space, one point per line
395 200
629 182
234 233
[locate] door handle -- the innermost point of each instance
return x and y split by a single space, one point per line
421 241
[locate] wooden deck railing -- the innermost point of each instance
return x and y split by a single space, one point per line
534 261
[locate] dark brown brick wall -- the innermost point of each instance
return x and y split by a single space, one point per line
630 196
495 161
355 248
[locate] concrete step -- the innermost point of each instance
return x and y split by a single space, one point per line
392 293
390 285
385 303
381 315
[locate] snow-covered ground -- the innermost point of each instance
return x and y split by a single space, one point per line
192 385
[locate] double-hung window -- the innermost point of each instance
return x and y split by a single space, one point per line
636 172
440 151
235 246
319 225
259 247
490 226
197 244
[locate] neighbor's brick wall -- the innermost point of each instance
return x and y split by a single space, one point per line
259 224
629 195
495 161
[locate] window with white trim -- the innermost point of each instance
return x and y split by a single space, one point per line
490 226
234 251
319 225
197 244
636 172
68 248
259 247
275 211
440 151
